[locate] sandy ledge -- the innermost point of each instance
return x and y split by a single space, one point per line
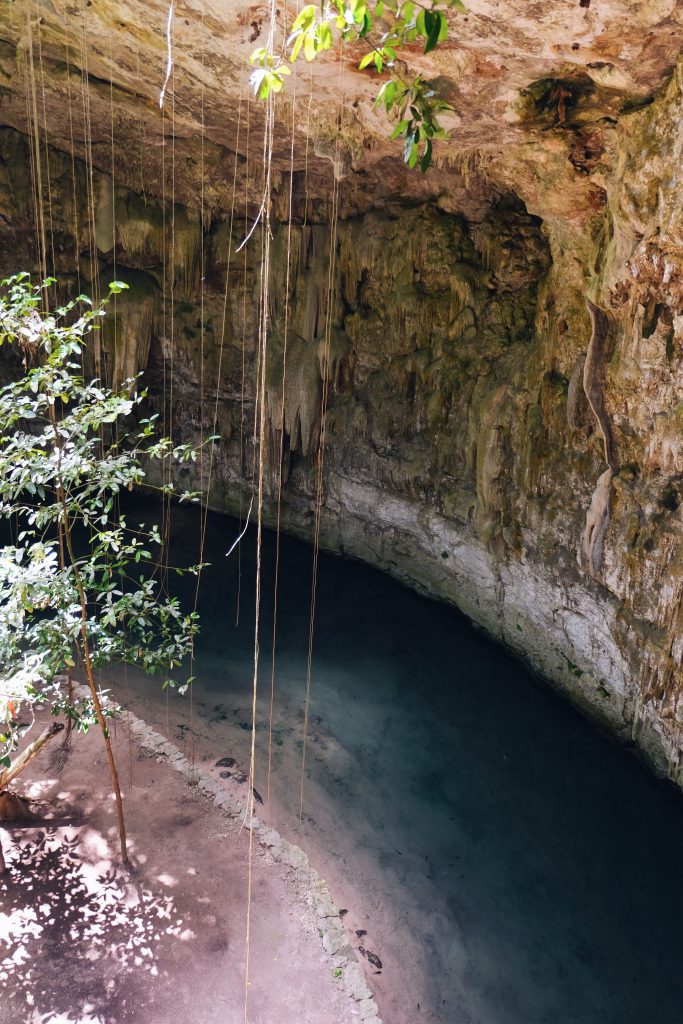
85 942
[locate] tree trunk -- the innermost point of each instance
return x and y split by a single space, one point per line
87 661
28 755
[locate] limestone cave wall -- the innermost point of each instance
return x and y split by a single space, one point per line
502 351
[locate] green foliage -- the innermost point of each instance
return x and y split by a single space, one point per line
77 585
387 26
270 75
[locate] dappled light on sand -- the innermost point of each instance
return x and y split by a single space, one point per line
84 941
67 906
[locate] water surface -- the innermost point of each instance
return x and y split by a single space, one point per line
509 864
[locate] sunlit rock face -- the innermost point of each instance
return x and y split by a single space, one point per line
498 344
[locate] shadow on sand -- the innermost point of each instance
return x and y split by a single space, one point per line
68 912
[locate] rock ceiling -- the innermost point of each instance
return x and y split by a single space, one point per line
500 69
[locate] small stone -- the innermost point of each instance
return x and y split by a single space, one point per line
269 837
325 906
291 855
333 936
223 800
371 957
356 985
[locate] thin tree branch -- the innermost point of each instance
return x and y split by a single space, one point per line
32 750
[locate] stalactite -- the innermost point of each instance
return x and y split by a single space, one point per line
594 373
577 403
597 521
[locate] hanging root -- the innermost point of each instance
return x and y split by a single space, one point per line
169 58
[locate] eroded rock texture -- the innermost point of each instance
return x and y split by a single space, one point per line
500 342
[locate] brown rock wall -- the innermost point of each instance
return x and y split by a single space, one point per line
464 454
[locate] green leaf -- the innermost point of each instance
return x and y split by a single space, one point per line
358 8
325 38
256 79
400 128
367 25
426 157
258 55
305 18
433 21
382 96
366 60
310 49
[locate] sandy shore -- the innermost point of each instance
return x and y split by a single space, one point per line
85 942
375 922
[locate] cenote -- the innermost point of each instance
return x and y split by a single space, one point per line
508 863
412 274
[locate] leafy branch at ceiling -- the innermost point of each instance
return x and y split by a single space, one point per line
389 27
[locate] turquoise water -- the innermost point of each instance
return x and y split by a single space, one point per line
509 864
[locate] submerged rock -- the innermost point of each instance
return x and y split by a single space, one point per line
371 957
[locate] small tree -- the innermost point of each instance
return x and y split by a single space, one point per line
77 586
